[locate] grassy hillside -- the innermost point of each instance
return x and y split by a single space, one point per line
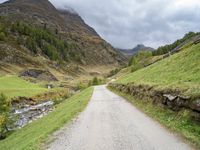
180 71
13 86
31 136
136 62
143 59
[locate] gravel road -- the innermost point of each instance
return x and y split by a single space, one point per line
111 123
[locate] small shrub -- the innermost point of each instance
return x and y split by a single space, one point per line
2 36
114 72
81 86
20 40
95 81
4 115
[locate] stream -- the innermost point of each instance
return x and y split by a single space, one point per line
28 113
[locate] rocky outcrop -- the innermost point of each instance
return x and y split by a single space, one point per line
171 99
44 75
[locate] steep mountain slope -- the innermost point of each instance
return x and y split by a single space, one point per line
35 33
131 52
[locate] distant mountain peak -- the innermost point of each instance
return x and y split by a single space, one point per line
137 48
140 45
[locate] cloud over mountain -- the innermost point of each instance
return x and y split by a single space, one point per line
125 23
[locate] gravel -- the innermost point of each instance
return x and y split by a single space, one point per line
111 123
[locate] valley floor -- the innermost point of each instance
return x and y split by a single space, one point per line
110 122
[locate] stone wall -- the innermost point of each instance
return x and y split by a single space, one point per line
171 99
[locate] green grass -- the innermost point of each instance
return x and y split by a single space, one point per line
13 86
31 136
177 122
180 71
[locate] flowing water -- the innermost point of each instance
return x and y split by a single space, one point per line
28 114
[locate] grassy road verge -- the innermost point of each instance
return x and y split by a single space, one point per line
177 122
31 136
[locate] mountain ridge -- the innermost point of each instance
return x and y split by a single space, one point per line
65 33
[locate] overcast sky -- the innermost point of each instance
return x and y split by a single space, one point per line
126 23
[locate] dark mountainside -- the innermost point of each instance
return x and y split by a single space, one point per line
36 34
131 52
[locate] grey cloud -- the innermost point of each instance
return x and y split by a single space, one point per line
125 23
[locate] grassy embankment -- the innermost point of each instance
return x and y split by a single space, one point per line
31 136
180 71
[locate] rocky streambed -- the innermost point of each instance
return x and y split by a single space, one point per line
28 113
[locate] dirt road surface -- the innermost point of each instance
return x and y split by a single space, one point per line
111 123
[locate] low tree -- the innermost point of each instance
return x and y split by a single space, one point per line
2 36
95 81
4 115
20 40
31 45
81 86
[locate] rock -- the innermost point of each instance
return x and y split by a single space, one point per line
95 73
195 116
195 105
38 74
170 97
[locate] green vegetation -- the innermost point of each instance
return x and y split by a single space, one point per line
96 81
167 48
34 38
39 39
178 122
13 86
2 31
114 72
4 115
180 71
138 61
81 86
31 136
141 55
2 36
142 59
